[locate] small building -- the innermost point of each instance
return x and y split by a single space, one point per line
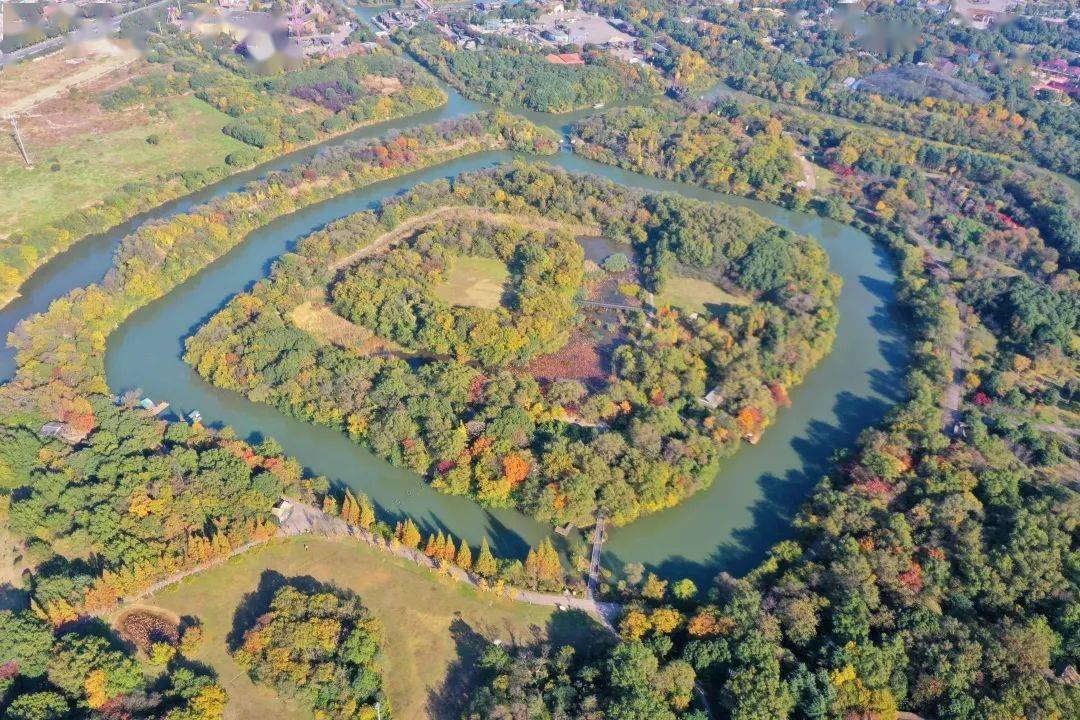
713 399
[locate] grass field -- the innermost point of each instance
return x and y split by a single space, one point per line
474 281
93 165
434 627
326 326
693 295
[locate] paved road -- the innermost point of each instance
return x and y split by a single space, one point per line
56 43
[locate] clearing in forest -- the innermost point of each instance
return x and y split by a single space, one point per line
696 296
474 282
326 326
435 627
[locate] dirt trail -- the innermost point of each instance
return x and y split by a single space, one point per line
953 394
58 77
413 224
809 173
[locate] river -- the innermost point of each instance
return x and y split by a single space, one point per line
727 527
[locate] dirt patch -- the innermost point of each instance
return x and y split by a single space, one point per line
32 83
381 85
57 117
144 626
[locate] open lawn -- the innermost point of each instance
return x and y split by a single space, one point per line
474 281
75 170
694 296
435 627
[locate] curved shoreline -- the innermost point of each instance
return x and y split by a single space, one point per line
727 526
718 528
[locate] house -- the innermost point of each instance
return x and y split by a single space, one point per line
258 35
713 399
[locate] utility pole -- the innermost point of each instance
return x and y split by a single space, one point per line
19 141
378 709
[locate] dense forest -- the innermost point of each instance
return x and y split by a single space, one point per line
935 570
320 646
467 414
87 673
511 74
744 154
802 53
392 294
932 571
627 681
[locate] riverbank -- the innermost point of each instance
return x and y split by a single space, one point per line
115 179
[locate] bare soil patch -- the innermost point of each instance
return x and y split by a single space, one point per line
142 626
29 84
382 85
67 109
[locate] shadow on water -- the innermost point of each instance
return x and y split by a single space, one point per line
726 527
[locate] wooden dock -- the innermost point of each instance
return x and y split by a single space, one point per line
597 546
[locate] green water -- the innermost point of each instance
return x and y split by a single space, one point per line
724 528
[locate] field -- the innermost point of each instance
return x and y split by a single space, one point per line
326 326
475 282
434 626
693 295
77 170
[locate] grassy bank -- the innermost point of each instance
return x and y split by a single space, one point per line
434 626
80 170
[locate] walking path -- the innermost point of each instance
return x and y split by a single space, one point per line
301 519
597 546
953 395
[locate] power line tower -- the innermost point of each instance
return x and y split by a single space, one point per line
19 141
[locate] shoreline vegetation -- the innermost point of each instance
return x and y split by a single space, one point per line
61 378
218 87
457 401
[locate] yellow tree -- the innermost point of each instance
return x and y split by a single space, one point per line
464 556
486 566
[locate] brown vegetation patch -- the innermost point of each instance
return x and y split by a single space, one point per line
62 105
382 85
581 358
326 326
144 626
